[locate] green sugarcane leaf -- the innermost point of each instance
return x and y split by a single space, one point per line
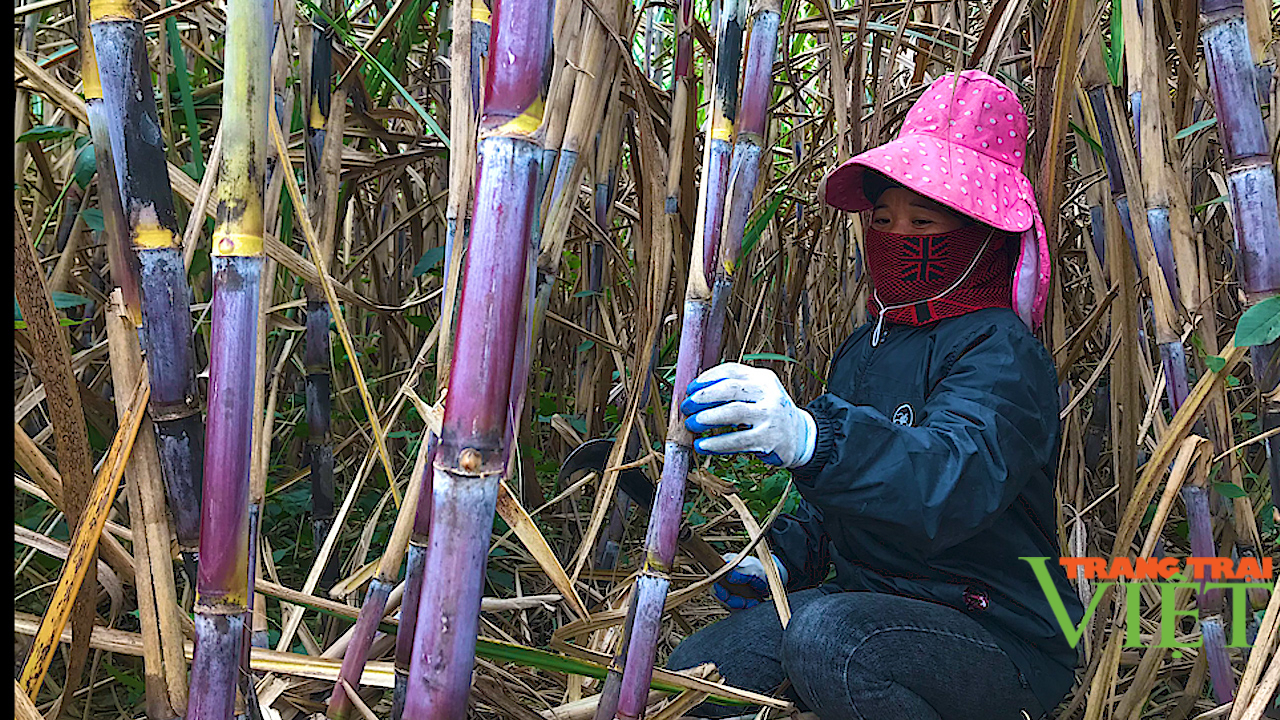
769 356
64 300
1230 490
93 219
1194 128
86 165
346 37
1080 132
1115 53
428 262
1215 201
756 228
1260 324
45 132
61 301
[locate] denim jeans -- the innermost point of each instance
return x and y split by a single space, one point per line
864 656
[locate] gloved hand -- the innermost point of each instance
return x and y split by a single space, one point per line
732 394
746 585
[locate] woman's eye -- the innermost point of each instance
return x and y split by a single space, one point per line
921 222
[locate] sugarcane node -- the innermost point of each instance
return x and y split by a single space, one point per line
654 567
228 607
170 412
111 10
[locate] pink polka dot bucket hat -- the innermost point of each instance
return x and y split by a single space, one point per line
963 144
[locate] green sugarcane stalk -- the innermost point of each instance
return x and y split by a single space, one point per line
664 520
147 201
222 588
475 437
1255 219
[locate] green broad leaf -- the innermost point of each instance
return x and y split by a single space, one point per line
429 261
585 293
1229 490
86 165
127 679
401 434
586 345
1194 128
422 322
45 132
1260 324
756 227
1215 363
93 219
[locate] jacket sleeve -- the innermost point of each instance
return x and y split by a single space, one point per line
802 544
990 423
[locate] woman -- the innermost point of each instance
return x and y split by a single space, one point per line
927 468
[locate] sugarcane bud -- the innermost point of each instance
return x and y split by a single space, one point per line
469 460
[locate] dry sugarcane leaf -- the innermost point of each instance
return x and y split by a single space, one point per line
22 707
777 589
56 548
84 543
53 354
511 511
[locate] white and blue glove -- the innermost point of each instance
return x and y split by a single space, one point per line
734 395
746 585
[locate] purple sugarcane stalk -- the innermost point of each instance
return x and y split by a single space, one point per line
222 585
416 563
1255 219
318 450
744 173
680 114
465 105
650 593
146 198
120 257
377 596
473 451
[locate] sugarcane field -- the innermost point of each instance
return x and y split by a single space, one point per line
624 359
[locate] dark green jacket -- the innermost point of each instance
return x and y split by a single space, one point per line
933 474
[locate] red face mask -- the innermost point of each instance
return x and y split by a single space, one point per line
920 279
